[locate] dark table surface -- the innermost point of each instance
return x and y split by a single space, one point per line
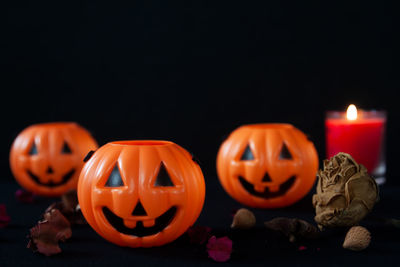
254 247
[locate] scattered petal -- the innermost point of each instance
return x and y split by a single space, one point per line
301 248
293 228
44 237
4 217
199 234
219 249
24 196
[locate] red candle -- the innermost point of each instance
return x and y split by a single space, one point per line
361 134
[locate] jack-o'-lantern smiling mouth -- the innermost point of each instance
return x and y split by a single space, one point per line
139 230
66 177
283 188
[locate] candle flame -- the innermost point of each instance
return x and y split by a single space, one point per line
351 112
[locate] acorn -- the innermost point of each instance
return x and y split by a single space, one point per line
357 238
243 219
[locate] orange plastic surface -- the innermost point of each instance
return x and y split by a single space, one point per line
47 158
122 179
266 179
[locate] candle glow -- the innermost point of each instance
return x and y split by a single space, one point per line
351 113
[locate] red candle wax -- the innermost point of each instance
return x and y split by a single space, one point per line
362 138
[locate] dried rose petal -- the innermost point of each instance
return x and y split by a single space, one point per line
4 217
24 196
44 237
199 234
219 249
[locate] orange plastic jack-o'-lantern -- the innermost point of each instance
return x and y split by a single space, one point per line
141 193
267 165
47 158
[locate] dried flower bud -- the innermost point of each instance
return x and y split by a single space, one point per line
357 238
345 192
243 219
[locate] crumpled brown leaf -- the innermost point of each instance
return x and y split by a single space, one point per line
346 193
44 236
69 207
293 228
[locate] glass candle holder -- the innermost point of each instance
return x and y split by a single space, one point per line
360 134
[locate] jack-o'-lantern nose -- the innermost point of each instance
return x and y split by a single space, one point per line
266 178
139 210
49 170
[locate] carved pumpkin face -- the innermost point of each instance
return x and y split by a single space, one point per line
141 193
267 165
47 158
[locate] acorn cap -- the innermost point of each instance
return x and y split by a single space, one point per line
243 219
357 238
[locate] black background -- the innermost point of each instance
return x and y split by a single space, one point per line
193 71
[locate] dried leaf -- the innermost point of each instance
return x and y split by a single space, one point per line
44 237
69 207
199 234
70 200
4 217
293 228
219 249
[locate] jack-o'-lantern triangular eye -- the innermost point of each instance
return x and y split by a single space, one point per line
285 153
163 178
114 180
66 149
247 154
33 150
